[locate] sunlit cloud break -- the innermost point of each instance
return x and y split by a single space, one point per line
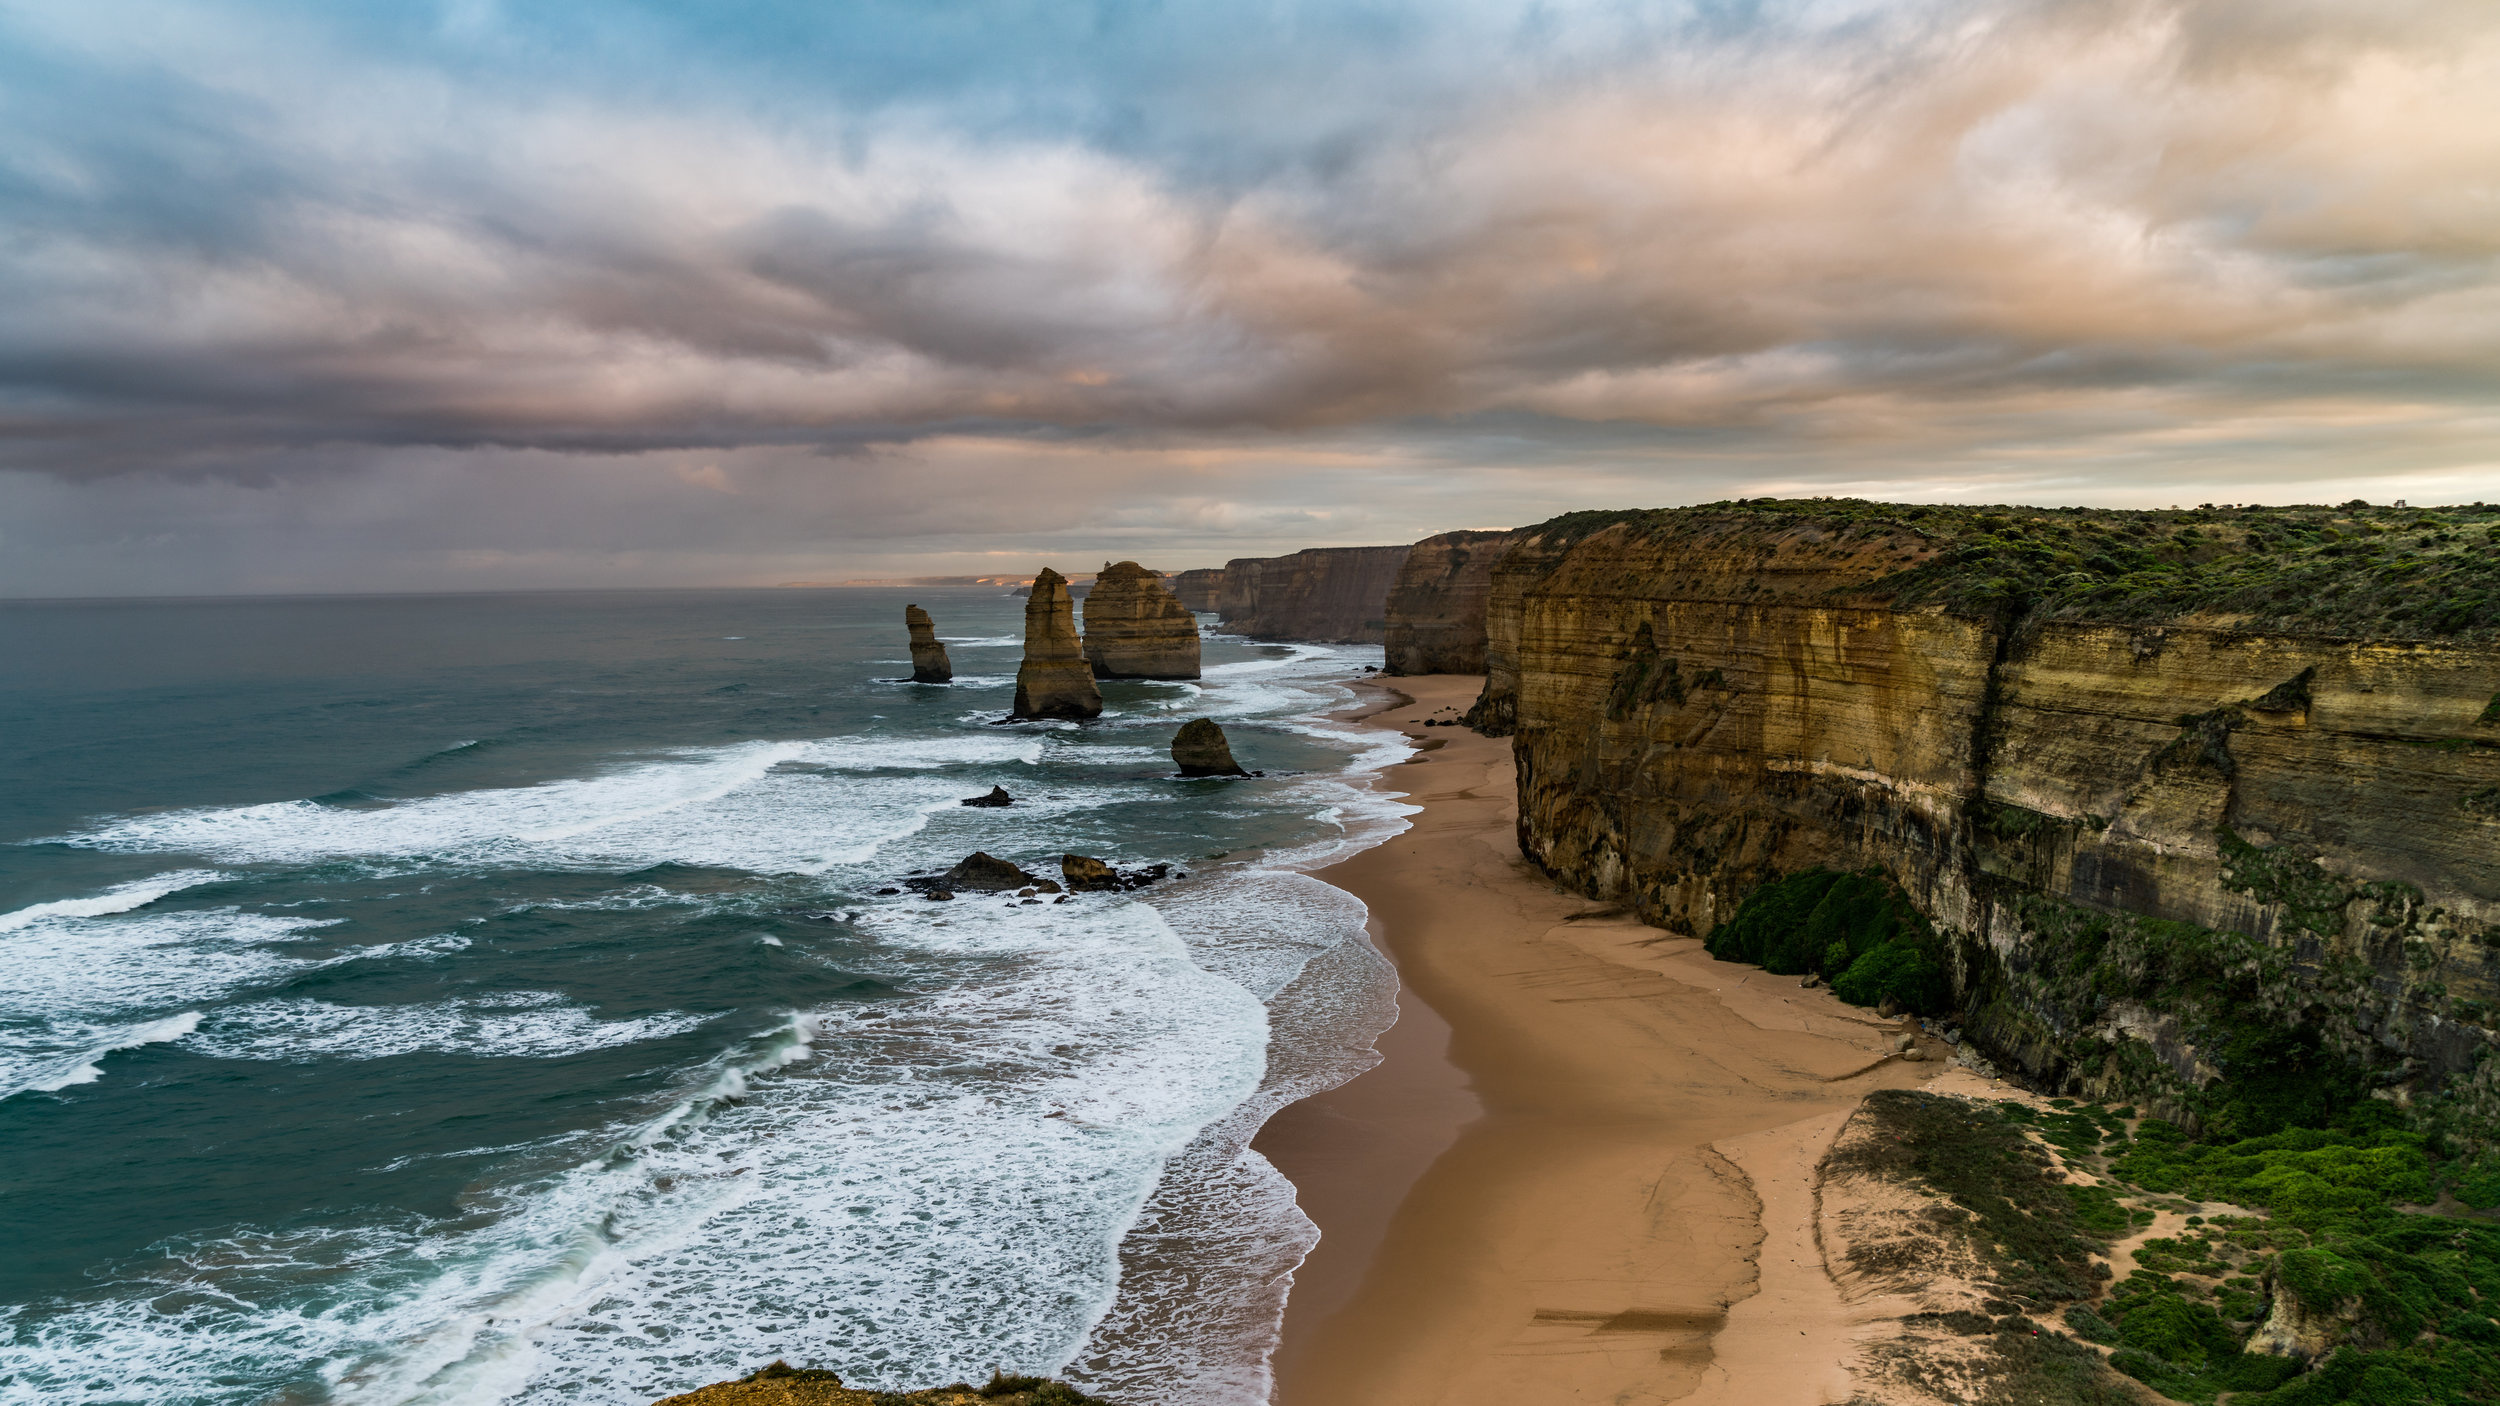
341 295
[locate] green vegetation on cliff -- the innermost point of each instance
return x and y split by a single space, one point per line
2357 569
1857 931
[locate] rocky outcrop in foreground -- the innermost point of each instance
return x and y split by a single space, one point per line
1136 629
1436 607
1199 749
1054 681
1328 595
2194 809
929 663
783 1385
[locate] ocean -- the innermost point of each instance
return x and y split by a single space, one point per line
457 999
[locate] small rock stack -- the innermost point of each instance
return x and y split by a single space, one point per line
1200 750
1136 629
1055 681
929 663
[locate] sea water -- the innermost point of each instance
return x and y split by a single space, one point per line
454 999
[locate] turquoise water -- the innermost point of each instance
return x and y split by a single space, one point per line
444 999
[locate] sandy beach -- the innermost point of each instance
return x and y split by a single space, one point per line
1584 1169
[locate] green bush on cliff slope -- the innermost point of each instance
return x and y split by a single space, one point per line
1857 931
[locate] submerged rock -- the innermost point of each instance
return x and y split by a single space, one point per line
1137 629
929 663
984 873
1201 750
997 797
1055 681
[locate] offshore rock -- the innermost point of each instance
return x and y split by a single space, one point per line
997 797
929 663
1436 608
1136 629
1200 750
1327 595
1055 681
1085 874
2145 826
984 873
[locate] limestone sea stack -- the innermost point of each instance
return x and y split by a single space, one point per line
929 663
1200 750
1136 629
1054 681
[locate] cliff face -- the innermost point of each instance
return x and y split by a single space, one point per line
1330 595
1436 608
929 663
1054 681
1202 589
2174 857
1135 629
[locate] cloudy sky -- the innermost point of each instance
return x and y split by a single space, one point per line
305 296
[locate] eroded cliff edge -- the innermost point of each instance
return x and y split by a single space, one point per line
1331 595
2205 804
1436 607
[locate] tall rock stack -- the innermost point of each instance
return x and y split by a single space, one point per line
929 663
1054 681
1436 609
1135 629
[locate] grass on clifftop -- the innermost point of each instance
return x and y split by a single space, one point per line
2352 570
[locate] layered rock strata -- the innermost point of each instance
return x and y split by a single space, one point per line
1055 680
929 663
1200 749
2179 852
1136 629
1200 590
1329 595
1436 607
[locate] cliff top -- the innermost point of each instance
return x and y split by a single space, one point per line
2350 570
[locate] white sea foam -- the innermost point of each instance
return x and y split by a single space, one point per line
520 1024
120 898
728 806
923 1188
25 1070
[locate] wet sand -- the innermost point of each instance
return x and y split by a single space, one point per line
1584 1170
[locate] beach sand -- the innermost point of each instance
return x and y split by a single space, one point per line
1584 1170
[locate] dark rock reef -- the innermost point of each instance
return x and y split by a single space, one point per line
1200 749
997 798
1136 629
1436 607
2197 809
783 1385
929 663
1054 681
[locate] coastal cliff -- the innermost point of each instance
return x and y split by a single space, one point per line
1436 607
1201 589
2202 808
1328 595
1135 629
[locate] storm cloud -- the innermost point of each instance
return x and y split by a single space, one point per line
589 294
